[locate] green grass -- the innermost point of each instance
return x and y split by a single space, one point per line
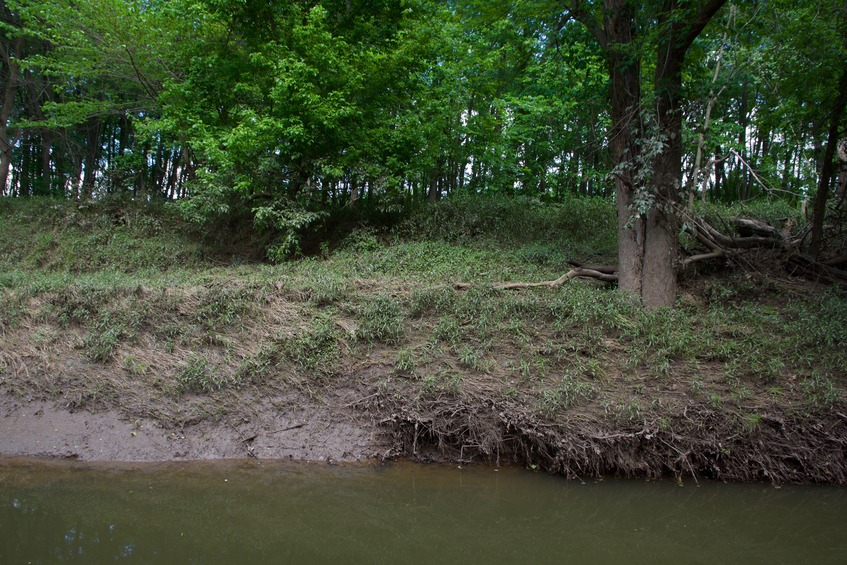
148 301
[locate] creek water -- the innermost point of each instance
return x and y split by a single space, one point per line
259 512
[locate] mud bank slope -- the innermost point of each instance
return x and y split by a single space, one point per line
303 430
781 450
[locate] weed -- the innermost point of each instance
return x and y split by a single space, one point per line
101 345
433 385
568 393
255 369
819 391
12 309
469 358
405 362
663 366
634 410
429 385
427 300
362 241
750 422
325 288
134 365
447 330
382 319
199 375
742 393
773 369
316 349
222 306
592 368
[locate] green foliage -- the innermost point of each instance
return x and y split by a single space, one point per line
820 391
578 224
86 238
315 349
222 305
199 375
382 319
100 345
256 369
288 224
405 361
323 288
434 385
567 394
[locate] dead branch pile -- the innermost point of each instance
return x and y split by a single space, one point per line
759 246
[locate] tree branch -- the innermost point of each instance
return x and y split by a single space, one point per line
704 16
575 10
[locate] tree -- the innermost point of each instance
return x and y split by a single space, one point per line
11 47
646 139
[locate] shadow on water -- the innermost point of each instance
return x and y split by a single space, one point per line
260 512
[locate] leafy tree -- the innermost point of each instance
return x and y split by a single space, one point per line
646 139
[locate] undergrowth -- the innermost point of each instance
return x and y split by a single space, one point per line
149 308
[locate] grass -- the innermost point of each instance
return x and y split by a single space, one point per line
153 311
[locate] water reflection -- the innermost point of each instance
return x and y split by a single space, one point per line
253 512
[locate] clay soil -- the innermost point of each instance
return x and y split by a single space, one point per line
364 423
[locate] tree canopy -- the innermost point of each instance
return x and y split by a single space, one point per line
285 112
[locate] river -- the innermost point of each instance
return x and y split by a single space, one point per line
261 512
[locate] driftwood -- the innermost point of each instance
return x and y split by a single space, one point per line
609 277
754 234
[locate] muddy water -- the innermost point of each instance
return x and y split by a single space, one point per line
250 512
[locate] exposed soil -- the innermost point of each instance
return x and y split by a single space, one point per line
295 427
347 427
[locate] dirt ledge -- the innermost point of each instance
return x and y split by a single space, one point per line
700 444
301 429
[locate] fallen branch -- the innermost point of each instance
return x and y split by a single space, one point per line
573 273
702 257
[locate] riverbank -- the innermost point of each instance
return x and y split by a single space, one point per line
369 351
696 445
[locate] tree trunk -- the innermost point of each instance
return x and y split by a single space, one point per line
647 246
841 185
624 71
13 77
827 167
92 152
433 187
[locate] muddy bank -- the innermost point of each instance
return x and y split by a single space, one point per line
301 430
697 444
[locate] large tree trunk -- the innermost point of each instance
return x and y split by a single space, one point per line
92 155
647 247
841 185
624 71
661 247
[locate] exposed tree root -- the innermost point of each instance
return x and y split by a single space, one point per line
700 444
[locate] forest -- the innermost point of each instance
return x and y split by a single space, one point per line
286 115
